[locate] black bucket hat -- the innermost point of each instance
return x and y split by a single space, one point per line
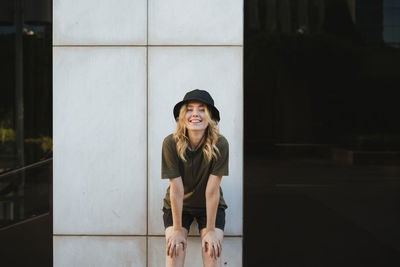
198 95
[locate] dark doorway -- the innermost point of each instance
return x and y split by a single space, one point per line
322 134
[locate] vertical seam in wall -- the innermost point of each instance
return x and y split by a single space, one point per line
242 146
243 101
147 133
243 111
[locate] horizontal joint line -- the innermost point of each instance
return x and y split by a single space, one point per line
73 235
147 46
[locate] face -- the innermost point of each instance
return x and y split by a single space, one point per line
195 117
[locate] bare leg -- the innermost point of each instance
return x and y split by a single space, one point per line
176 261
207 260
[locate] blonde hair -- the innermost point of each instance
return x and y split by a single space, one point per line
210 138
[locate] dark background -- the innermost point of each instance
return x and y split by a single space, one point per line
322 133
26 137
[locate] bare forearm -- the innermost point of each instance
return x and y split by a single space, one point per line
212 201
176 197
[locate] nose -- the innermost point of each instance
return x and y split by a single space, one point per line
195 113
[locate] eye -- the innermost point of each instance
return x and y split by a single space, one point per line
189 109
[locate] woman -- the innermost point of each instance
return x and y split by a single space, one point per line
194 159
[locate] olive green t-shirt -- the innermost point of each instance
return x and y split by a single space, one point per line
194 172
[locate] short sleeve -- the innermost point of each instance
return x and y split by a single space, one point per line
170 160
220 166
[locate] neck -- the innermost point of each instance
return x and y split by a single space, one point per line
195 138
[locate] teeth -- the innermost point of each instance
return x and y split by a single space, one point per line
194 121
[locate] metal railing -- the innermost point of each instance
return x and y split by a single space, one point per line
25 192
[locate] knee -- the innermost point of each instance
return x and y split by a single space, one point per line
177 253
210 259
180 250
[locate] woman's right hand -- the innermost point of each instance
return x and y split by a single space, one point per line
177 238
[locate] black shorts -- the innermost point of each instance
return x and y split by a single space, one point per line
201 218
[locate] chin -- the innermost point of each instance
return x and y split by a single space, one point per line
198 128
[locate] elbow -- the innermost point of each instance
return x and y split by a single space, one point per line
210 193
176 193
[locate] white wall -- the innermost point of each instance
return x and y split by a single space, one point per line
118 69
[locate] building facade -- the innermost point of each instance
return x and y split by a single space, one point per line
118 70
307 91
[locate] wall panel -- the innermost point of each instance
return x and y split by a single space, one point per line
194 22
172 72
99 22
100 140
99 251
231 256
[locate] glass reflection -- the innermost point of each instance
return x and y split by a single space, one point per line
322 142
25 107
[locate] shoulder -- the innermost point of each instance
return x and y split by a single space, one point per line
169 141
222 142
169 138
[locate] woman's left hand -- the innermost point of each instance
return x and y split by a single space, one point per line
211 244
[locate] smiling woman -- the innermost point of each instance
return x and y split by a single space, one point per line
195 158
195 113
